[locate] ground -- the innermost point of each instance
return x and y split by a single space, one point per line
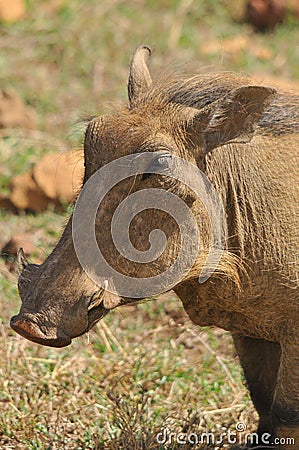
143 368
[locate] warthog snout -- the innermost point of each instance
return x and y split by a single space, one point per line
53 316
51 336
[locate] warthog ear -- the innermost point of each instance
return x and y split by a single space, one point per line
231 119
139 77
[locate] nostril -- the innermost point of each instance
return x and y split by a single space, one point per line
30 330
22 326
25 328
13 319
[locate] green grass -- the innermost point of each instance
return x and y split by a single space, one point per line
141 371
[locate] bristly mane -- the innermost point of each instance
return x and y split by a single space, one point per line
199 91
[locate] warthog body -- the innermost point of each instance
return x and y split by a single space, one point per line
245 139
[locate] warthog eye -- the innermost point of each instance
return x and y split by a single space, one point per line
163 160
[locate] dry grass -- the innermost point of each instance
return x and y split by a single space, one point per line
144 369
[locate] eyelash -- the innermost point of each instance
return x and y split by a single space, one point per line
145 176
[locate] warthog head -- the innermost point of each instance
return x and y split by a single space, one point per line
171 120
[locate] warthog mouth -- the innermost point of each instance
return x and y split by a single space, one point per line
95 314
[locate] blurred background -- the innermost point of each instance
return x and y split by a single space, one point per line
146 366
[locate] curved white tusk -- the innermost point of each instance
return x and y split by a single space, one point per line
96 299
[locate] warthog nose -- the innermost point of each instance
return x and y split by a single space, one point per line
52 337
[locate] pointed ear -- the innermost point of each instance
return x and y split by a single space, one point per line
139 77
231 119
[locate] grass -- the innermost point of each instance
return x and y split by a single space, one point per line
123 385
142 368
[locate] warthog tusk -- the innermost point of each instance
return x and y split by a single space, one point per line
96 299
22 261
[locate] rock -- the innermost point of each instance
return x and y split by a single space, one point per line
13 112
60 175
6 203
293 7
54 181
26 194
18 240
265 14
10 249
12 10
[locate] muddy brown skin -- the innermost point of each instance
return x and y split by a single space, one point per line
245 138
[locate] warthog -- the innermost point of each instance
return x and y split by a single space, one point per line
244 138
